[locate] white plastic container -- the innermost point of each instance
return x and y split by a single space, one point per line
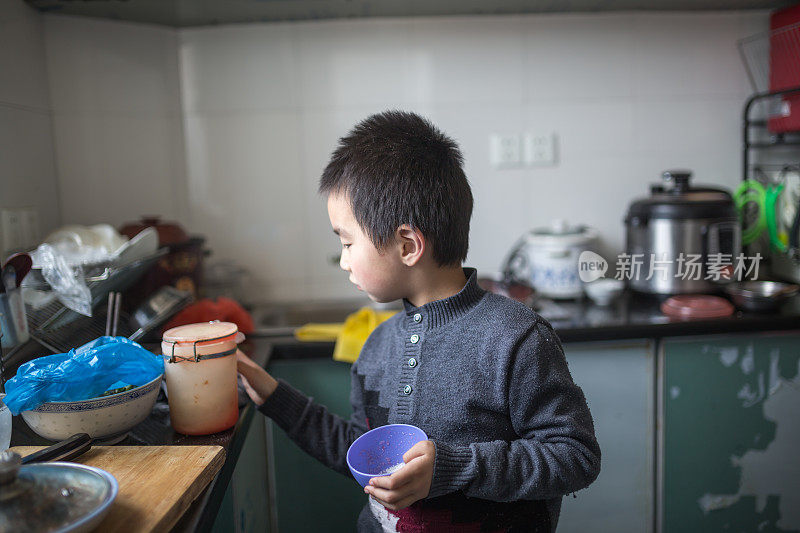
5 425
200 371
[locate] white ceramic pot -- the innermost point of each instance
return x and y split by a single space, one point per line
552 256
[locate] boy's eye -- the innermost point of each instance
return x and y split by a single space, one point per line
344 245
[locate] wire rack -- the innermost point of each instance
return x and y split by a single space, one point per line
59 329
760 52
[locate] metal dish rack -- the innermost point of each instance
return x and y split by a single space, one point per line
768 156
59 329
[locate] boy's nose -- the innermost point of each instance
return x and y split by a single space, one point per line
343 263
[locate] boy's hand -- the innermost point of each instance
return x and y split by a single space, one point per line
257 382
409 484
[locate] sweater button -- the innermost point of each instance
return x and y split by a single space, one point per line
414 338
412 362
407 390
417 317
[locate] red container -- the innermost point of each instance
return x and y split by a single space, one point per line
784 67
182 267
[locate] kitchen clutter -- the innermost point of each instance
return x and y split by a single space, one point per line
13 323
546 258
350 335
56 496
379 452
677 222
604 291
71 257
103 388
760 296
5 424
181 267
106 418
87 372
201 376
691 306
207 309
680 240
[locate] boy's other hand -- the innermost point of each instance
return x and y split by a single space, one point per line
258 384
409 484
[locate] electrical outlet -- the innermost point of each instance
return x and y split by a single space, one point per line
30 227
11 222
19 229
539 149
504 150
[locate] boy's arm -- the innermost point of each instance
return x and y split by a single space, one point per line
557 452
320 433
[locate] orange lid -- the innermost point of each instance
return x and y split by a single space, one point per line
214 331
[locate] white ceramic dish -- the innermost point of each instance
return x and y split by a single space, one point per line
145 243
101 418
603 291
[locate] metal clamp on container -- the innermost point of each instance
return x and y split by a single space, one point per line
201 376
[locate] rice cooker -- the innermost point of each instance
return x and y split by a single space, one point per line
675 224
547 259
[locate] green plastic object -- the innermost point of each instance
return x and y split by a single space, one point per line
773 193
751 191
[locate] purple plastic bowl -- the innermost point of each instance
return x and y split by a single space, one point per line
378 450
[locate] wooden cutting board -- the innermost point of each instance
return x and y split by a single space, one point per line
156 483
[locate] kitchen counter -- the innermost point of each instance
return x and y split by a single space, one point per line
635 316
156 430
630 317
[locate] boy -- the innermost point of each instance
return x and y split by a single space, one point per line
485 377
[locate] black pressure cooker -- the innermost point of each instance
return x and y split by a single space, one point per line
681 239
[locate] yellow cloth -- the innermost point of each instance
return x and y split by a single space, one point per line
349 336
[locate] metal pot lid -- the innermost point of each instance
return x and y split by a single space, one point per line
560 233
679 200
52 497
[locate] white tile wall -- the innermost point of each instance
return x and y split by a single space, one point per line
111 68
262 105
117 120
579 57
27 168
239 68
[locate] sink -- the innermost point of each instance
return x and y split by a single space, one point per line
275 320
301 350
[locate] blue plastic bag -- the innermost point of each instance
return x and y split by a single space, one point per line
82 373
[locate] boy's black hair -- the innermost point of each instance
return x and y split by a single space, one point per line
397 168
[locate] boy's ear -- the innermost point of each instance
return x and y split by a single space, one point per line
412 244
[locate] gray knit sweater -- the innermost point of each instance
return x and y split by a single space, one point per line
485 377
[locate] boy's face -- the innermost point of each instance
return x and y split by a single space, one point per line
379 273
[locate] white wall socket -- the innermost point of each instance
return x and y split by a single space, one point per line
505 150
539 149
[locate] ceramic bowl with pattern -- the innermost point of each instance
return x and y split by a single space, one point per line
102 418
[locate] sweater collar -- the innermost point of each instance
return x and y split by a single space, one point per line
439 312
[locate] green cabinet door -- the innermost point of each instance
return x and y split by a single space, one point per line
730 447
618 379
309 497
245 507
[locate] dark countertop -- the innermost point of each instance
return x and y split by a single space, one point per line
635 316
